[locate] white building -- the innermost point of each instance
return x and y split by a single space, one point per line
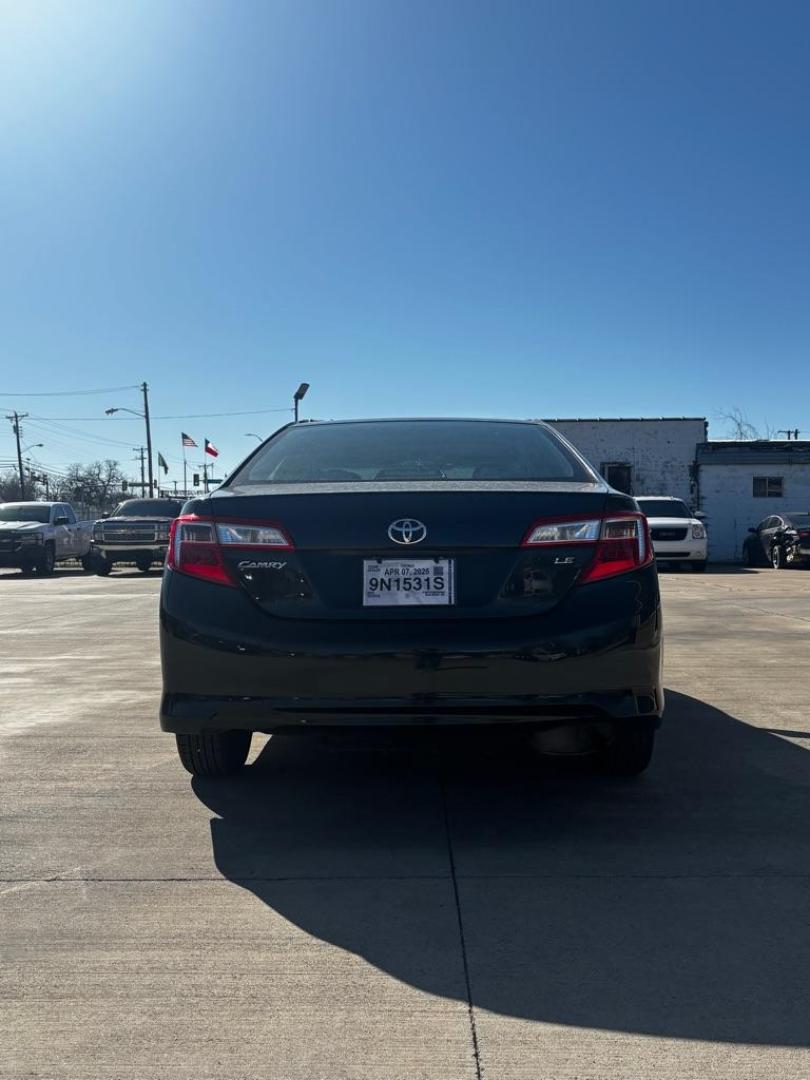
642 456
740 483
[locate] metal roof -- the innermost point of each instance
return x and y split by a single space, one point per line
751 452
624 419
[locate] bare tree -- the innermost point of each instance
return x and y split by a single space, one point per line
96 484
9 487
738 426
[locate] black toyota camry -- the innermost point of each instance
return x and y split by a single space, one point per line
412 572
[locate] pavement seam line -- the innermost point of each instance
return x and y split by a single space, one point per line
462 940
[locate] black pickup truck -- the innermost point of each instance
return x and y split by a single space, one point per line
136 531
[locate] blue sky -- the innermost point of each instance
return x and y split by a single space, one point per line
515 209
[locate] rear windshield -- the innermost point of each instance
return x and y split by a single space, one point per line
167 508
658 508
412 450
40 512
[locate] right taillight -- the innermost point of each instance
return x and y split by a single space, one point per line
620 542
196 545
623 545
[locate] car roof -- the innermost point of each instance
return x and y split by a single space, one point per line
428 419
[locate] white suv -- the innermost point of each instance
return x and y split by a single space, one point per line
678 535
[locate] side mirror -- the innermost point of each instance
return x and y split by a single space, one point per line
699 515
754 531
61 520
105 515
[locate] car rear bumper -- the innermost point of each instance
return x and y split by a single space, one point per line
187 713
596 655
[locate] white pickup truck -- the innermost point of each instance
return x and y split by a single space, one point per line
34 536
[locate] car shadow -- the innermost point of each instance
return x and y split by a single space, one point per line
673 905
12 574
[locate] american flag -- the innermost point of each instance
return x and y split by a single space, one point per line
186 440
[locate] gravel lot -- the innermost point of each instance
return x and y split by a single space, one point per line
398 909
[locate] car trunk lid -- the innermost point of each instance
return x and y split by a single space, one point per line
477 527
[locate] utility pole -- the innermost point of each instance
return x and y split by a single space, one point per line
145 390
15 419
141 451
205 477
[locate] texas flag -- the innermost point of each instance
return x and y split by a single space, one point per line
211 449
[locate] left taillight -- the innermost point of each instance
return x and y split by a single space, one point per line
197 545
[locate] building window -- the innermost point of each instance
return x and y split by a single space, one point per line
767 487
618 475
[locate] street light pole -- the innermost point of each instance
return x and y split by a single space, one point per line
145 390
145 416
298 395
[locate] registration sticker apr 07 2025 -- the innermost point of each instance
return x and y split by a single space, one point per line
408 582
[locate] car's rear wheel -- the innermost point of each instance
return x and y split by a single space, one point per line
749 558
698 565
214 753
629 750
778 557
144 563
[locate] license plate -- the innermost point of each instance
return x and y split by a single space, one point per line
408 582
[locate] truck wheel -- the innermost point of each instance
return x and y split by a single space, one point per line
89 563
102 566
47 561
629 751
214 753
144 564
698 565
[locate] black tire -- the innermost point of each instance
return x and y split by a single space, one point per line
89 564
103 566
144 564
749 558
629 751
47 562
214 753
698 565
778 557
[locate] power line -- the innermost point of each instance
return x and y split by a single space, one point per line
183 416
70 393
58 428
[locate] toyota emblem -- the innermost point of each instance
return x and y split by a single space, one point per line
406 531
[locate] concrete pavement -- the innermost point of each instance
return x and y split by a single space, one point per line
381 909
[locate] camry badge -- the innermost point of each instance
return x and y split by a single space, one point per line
406 531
